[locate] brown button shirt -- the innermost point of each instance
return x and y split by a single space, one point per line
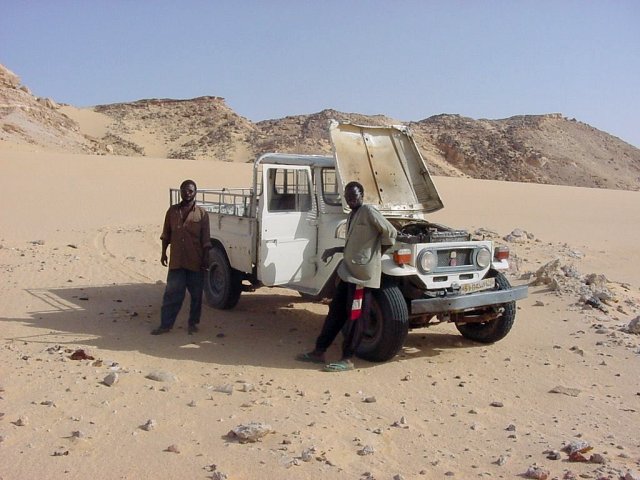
188 237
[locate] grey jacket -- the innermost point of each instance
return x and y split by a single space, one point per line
367 231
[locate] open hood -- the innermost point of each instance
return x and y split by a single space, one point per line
386 161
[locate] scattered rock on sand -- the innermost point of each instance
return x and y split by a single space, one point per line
216 474
308 453
577 446
572 392
552 454
537 473
22 421
172 448
250 432
161 376
502 460
227 388
80 354
149 425
519 235
366 450
402 423
247 387
634 326
111 379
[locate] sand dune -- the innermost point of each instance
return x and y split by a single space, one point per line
79 260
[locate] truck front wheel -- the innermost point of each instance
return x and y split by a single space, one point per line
497 328
222 284
387 326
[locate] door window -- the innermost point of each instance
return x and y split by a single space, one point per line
289 190
330 193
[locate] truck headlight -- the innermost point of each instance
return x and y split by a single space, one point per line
483 257
427 261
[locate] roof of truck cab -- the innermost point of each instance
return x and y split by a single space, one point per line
296 159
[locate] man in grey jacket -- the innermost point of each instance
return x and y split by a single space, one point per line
368 235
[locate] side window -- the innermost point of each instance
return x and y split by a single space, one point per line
289 190
330 192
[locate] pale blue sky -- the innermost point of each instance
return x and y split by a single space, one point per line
405 59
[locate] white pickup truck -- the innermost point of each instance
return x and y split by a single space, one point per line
274 233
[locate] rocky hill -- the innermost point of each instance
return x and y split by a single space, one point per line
533 148
37 122
201 128
529 148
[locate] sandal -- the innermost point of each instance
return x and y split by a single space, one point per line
310 357
341 366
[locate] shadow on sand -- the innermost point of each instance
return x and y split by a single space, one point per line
264 329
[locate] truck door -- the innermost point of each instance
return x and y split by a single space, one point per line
288 227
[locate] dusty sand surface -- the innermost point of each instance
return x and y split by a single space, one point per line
79 260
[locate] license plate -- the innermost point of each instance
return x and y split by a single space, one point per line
485 284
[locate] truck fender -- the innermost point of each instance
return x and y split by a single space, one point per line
392 269
500 264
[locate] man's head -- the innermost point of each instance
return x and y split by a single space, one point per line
354 195
188 191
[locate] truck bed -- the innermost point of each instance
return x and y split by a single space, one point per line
232 218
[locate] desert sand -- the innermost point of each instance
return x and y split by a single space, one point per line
79 259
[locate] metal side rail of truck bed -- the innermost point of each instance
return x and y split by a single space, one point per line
226 201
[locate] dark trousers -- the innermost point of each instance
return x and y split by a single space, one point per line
179 280
339 316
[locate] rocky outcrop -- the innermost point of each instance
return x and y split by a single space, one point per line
526 148
534 148
203 128
36 122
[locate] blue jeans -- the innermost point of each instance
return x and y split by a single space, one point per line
179 280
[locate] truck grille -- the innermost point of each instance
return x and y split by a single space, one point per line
463 257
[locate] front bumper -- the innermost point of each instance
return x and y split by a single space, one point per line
458 303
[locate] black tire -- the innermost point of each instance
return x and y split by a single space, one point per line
493 330
387 326
222 284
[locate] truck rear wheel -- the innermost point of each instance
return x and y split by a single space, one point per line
222 284
496 329
387 326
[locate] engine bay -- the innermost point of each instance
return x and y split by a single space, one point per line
427 232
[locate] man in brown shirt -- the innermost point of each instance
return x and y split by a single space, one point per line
186 229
